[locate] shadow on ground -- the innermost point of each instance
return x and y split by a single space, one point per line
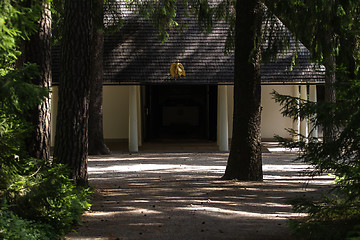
180 196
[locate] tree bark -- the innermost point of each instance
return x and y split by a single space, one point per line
71 141
96 137
330 73
38 50
245 160
330 94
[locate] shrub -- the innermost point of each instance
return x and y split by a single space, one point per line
39 200
338 213
49 196
15 228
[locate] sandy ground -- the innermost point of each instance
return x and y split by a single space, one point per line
180 196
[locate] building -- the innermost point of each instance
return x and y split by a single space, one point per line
142 102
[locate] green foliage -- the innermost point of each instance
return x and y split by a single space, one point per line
329 230
276 39
332 28
34 189
332 218
341 156
113 16
205 14
57 20
39 201
337 214
48 196
328 28
43 193
16 22
17 96
160 13
15 228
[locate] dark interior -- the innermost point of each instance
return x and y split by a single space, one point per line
180 112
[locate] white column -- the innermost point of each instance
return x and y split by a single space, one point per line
304 123
313 98
223 124
133 120
138 93
296 123
218 118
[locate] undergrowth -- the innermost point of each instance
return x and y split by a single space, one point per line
42 205
331 218
38 200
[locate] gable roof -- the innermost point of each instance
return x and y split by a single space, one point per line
134 55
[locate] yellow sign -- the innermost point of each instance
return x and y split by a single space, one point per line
177 70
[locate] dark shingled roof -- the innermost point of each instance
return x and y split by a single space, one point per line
284 71
134 55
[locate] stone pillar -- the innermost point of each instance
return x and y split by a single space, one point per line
313 98
304 128
223 124
133 119
296 123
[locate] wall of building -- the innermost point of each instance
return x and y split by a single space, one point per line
230 108
116 112
54 107
116 109
272 121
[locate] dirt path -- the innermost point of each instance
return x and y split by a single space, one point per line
179 196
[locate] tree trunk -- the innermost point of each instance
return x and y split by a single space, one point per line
330 76
71 142
38 50
245 162
96 137
330 95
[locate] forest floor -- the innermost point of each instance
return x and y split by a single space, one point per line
179 196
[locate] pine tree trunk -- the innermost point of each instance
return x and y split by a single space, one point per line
38 50
96 137
330 80
71 142
245 161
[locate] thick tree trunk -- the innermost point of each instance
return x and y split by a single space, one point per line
330 96
38 50
245 161
330 80
71 142
330 67
96 137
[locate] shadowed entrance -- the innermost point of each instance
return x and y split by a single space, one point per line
180 112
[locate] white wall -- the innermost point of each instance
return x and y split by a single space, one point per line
54 107
272 122
230 109
116 112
